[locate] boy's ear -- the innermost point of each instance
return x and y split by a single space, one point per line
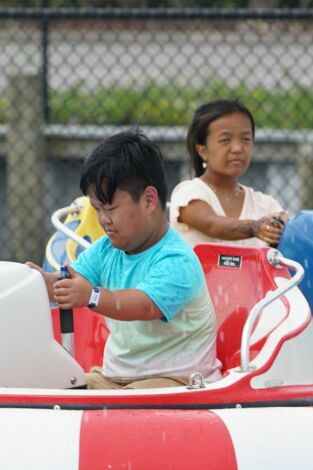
151 196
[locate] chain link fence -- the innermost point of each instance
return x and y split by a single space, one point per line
69 77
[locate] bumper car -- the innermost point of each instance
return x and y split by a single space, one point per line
297 244
258 416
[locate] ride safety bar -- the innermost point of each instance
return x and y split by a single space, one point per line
276 259
76 206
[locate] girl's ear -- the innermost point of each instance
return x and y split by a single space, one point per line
202 152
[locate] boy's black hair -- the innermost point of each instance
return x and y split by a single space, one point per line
128 161
198 130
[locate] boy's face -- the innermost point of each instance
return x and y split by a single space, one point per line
127 223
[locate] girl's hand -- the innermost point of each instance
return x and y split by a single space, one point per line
72 292
269 229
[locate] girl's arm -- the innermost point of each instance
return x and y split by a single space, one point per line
200 216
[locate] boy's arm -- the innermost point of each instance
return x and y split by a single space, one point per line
124 304
49 278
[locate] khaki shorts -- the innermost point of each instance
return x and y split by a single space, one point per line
95 380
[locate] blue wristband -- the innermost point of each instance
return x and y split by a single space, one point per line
94 297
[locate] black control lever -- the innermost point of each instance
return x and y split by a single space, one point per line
66 320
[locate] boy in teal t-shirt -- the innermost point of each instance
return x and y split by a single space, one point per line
141 275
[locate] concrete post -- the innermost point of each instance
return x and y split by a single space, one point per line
25 165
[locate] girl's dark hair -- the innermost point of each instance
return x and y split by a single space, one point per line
198 130
128 161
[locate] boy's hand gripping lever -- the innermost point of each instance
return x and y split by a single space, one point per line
66 320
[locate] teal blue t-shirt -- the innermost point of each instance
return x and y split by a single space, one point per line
170 273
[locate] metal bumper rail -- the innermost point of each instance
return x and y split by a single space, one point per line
58 225
277 260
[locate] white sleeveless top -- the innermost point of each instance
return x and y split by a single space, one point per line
255 205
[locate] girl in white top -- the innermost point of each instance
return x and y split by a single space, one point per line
214 207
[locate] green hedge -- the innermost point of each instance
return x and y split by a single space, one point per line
173 105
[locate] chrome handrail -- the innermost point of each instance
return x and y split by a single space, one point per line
76 206
277 260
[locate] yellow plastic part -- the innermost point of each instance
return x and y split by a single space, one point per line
88 227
